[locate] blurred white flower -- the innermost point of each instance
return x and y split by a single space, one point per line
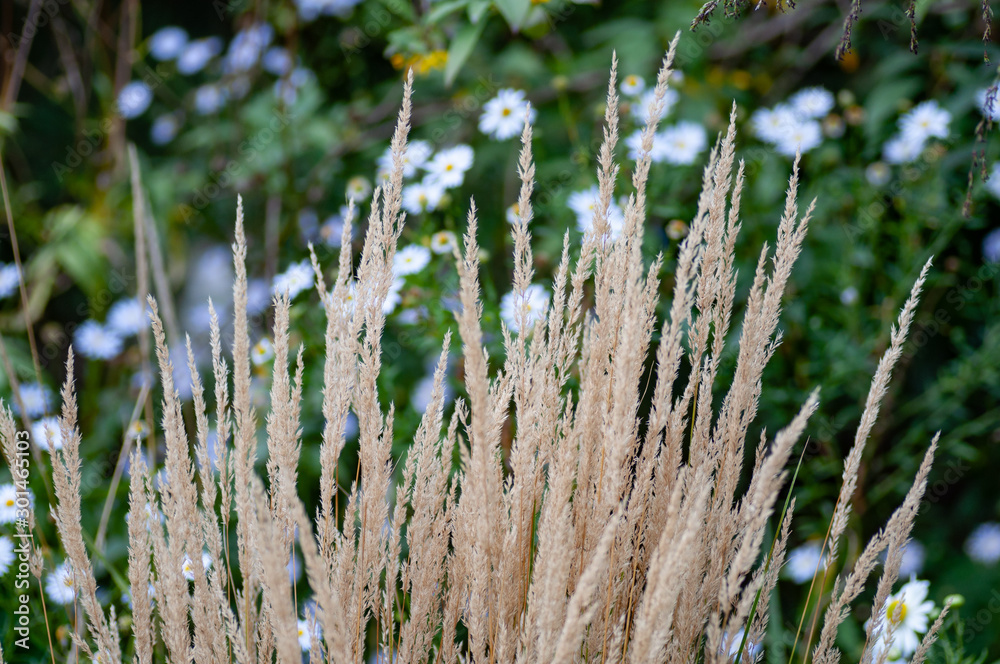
209 99
164 129
925 120
6 554
914 555
801 137
988 101
310 10
447 168
10 279
8 502
849 296
47 431
803 561
137 430
683 142
197 54
134 99
262 352
422 196
657 152
584 204
632 85
992 186
358 188
513 214
878 174
127 317
812 102
991 246
416 155
258 296
983 544
59 584
410 260
420 397
902 149
297 278
503 116
37 400
535 302
246 48
731 646
443 242
167 43
187 567
97 342
277 61
908 611
393 298
304 635
772 125
644 106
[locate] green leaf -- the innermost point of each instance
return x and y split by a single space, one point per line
461 48
442 9
514 12
478 9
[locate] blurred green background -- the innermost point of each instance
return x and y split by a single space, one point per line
291 104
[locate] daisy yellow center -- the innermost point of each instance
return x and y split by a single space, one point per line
897 612
422 198
505 112
449 167
68 581
10 502
631 80
301 631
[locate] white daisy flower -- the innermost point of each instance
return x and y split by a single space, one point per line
983 544
47 431
448 167
878 174
310 10
991 246
164 129
37 400
992 185
657 153
420 397
988 100
642 108
59 585
513 214
632 85
167 43
908 612
209 99
535 302
262 352
443 242
731 646
134 99
584 203
772 125
925 120
358 188
187 567
416 155
422 196
97 342
812 102
127 317
8 503
393 297
304 636
503 116
297 278
6 554
902 149
10 279
803 561
801 137
137 430
277 61
410 260
332 230
683 142
197 54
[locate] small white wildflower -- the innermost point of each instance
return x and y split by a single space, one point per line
37 400
262 352
46 432
513 214
8 503
410 260
849 296
632 85
59 585
297 278
644 106
503 116
197 54
310 10
10 279
914 555
772 125
247 46
992 186
448 167
167 43
393 297
991 246
988 100
908 611
422 196
443 242
134 99
925 120
6 554
209 99
812 102
416 155
878 174
803 561
983 544
97 342
137 430
420 397
164 129
584 204
535 302
902 149
187 567
657 152
304 636
127 317
801 137
277 61
683 142
358 188
731 646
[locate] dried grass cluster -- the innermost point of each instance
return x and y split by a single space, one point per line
605 535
